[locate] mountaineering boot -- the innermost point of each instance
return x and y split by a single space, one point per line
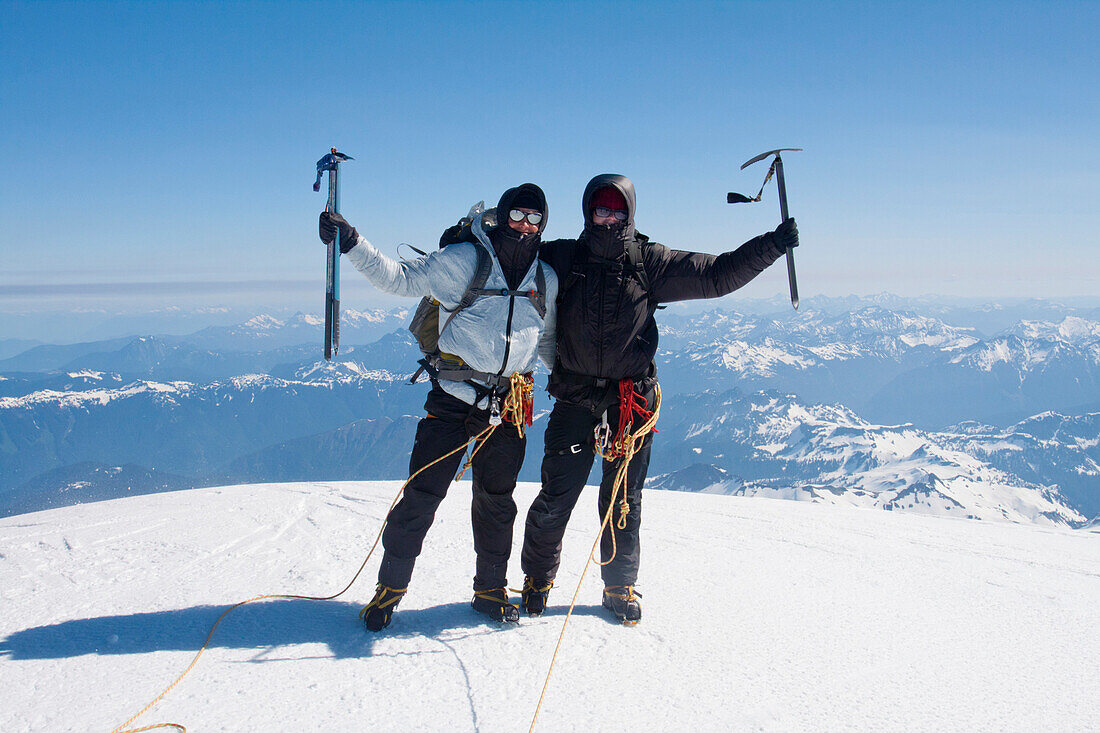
494 604
376 614
622 601
535 593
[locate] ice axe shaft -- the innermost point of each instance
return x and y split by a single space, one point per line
777 168
331 164
792 280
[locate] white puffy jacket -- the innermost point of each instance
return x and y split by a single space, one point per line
496 334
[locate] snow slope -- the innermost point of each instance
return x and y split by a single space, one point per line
759 615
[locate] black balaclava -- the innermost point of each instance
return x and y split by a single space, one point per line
516 251
609 240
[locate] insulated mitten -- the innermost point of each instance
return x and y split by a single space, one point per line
327 226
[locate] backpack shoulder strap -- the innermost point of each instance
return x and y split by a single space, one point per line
476 284
484 267
580 259
538 298
637 263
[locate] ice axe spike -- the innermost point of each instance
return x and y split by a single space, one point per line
777 169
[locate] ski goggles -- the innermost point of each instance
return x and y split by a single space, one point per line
532 218
603 212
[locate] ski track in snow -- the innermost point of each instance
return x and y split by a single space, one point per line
758 615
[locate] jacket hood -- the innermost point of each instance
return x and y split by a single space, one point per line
609 241
609 180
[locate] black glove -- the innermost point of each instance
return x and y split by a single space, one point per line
785 235
327 226
453 234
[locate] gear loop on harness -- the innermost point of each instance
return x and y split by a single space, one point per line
602 435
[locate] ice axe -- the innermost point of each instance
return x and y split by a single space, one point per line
777 170
331 163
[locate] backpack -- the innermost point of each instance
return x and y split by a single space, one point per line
425 321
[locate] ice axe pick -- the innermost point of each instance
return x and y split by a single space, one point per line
777 170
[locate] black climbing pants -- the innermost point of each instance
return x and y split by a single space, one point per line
565 467
450 422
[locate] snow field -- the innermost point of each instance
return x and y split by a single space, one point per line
758 615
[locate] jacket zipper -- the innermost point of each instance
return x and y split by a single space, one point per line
599 323
508 334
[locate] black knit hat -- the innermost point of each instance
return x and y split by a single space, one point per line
526 196
527 199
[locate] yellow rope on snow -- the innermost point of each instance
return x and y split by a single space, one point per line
515 405
631 443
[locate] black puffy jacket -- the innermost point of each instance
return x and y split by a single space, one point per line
606 329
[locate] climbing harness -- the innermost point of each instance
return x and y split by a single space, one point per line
631 404
520 386
516 409
630 443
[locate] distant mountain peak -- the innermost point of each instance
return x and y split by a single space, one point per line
263 322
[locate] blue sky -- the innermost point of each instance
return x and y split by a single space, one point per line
163 152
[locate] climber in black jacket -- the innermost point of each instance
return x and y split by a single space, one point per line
611 280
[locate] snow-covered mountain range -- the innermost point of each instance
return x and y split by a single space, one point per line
892 367
260 344
768 444
871 406
193 430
